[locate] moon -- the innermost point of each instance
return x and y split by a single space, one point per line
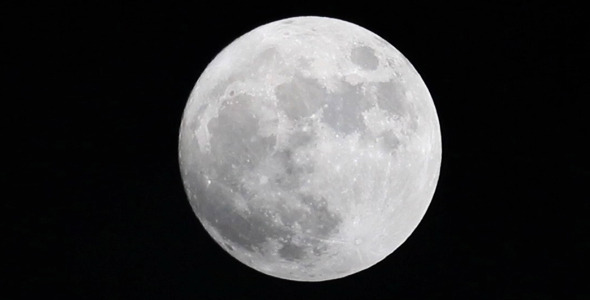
310 149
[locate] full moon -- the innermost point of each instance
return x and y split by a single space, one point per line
310 148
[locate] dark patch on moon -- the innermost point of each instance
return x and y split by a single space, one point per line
267 57
391 96
313 217
217 208
304 63
319 249
287 173
343 110
202 109
300 138
300 97
389 141
364 57
322 222
316 222
292 252
235 142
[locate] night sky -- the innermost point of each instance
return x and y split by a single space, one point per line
94 93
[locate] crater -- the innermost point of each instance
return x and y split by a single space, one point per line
364 57
228 247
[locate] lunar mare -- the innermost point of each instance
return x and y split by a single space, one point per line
310 149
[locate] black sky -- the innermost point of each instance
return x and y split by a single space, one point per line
95 94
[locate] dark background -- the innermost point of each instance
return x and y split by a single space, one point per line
95 206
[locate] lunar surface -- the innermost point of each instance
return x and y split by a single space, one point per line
310 149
